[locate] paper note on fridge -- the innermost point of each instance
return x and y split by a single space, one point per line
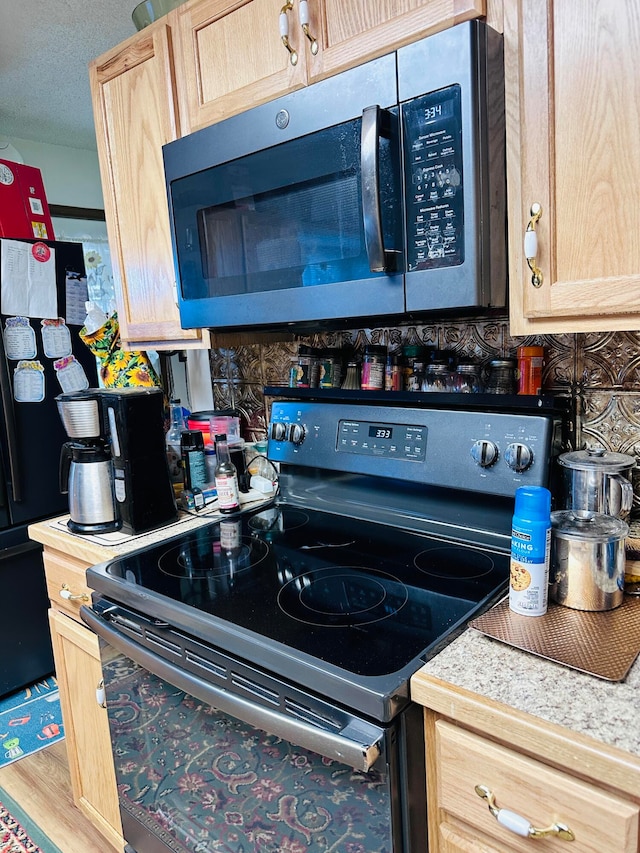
28 279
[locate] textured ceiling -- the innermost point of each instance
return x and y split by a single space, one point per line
45 48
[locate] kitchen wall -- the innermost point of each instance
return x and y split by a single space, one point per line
599 372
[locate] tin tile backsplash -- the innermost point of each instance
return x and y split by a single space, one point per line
600 372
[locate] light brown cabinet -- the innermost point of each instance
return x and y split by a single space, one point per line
573 147
135 111
537 775
78 673
232 57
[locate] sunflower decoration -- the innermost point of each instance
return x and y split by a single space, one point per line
119 368
92 260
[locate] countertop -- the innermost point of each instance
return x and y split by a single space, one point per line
602 711
53 533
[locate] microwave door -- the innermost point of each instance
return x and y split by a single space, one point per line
279 235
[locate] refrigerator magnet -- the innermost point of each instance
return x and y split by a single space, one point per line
71 375
56 338
28 382
19 338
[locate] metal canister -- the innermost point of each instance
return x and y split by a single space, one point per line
587 560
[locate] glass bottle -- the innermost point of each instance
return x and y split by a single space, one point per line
226 477
172 442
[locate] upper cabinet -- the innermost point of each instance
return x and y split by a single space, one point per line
235 54
573 155
133 92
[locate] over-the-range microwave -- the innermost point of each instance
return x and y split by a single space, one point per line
376 193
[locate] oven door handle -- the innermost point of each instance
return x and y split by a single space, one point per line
357 745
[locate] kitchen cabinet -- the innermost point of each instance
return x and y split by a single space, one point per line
78 673
135 112
573 148
542 772
231 55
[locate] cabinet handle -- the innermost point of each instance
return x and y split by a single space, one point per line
66 593
284 31
101 695
531 244
304 23
520 825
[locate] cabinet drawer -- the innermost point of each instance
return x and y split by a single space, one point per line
600 821
64 573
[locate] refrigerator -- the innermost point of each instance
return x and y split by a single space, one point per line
39 358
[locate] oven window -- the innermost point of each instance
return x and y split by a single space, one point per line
201 780
286 217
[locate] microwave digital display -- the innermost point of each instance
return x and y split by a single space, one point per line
434 180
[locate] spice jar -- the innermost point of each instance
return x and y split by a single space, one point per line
304 370
393 375
530 362
437 378
414 362
466 379
329 369
373 365
502 376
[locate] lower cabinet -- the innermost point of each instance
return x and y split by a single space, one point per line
79 674
487 793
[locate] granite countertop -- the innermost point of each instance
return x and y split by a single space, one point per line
603 710
54 533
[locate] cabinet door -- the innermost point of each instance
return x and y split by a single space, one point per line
573 147
353 32
86 728
133 99
231 58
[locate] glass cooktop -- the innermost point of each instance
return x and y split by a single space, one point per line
364 597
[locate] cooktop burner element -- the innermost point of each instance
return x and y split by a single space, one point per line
212 556
455 562
342 596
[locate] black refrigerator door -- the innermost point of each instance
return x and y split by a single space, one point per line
24 628
31 434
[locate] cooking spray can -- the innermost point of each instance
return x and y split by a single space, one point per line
530 551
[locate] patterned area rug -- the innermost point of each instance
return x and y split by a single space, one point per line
30 719
18 833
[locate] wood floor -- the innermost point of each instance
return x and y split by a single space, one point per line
40 784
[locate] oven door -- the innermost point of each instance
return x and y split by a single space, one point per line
292 211
200 768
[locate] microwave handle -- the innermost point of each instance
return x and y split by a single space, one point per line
376 122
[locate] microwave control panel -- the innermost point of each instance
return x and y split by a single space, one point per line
432 126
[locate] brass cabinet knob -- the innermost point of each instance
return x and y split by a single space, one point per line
520 825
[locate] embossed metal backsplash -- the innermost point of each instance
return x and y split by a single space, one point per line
599 371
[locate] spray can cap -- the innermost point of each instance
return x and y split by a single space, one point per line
533 503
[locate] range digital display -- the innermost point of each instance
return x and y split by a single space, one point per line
380 431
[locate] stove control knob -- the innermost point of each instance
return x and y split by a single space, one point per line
297 434
518 456
484 453
278 431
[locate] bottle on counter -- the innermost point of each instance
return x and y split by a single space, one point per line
530 551
226 478
193 460
172 442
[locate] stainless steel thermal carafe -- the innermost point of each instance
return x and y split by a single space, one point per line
597 480
86 473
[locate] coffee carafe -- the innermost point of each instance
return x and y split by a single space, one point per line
86 468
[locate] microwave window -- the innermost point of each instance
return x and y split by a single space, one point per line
286 217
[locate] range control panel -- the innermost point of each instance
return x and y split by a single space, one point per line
492 452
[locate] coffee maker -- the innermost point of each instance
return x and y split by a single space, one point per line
132 427
86 472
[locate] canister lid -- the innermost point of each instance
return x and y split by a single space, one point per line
588 526
597 459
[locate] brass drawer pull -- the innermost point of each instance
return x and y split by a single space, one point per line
284 31
66 593
520 825
531 245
